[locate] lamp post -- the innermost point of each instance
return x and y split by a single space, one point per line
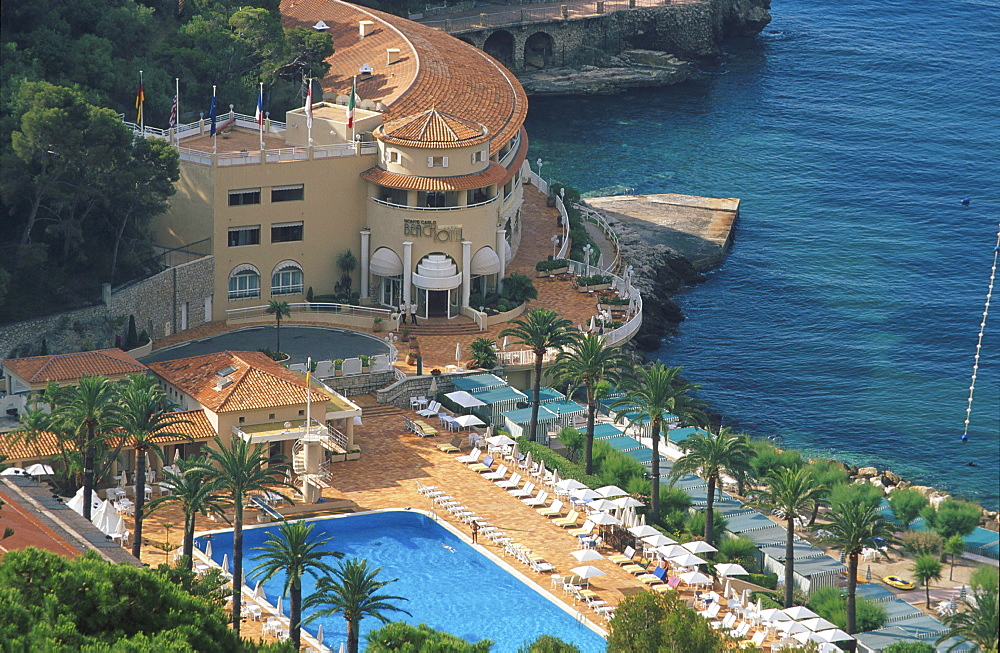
538 162
555 243
586 256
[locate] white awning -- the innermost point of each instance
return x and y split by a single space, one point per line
464 399
385 263
486 261
244 267
507 253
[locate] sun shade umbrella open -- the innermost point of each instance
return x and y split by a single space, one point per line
467 421
817 624
611 491
731 569
586 555
658 540
584 494
38 469
800 612
792 627
628 502
569 484
699 546
774 614
464 399
834 635
500 441
587 571
672 551
603 505
687 560
604 519
695 578
643 531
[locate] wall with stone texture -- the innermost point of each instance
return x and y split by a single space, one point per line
157 303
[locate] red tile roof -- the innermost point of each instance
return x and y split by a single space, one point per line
433 129
494 174
256 382
70 367
434 70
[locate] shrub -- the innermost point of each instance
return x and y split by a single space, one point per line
547 266
573 440
554 461
906 505
770 581
594 280
860 493
919 543
767 458
985 578
647 621
615 301
743 550
767 599
909 647
696 524
548 644
519 288
952 518
830 603
483 353
132 336
401 636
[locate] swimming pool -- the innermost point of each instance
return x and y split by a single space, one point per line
457 589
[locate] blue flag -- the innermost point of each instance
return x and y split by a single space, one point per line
211 115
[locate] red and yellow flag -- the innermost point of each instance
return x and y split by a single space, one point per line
140 98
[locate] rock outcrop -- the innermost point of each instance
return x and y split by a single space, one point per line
631 69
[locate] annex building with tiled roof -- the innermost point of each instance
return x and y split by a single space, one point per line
33 374
423 186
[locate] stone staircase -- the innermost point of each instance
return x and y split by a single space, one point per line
442 327
371 408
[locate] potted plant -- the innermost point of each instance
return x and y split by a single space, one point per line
435 372
366 363
338 367
377 325
404 335
354 453
551 267
411 357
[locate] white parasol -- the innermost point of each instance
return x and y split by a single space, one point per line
278 608
12 471
587 571
586 555
499 441
602 505
225 562
800 612
319 634
695 578
583 493
468 421
643 531
834 635
792 627
773 614
208 550
569 484
432 390
671 551
458 354
38 469
258 592
687 560
699 546
611 491
628 502
604 519
657 540
506 341
731 569
817 624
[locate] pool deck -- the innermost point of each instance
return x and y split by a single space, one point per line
394 461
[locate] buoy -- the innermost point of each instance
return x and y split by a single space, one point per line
966 201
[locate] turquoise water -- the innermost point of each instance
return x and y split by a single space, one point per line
456 589
845 318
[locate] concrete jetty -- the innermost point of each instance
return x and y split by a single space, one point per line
698 228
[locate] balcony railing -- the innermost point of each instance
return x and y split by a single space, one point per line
434 208
251 312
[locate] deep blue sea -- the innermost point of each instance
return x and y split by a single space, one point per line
845 318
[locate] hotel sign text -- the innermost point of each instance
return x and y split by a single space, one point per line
430 229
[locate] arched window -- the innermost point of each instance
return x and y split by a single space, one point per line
244 282
286 279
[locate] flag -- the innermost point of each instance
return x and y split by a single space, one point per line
350 104
173 113
260 108
309 106
140 97
211 113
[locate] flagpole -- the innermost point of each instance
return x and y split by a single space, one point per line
215 133
142 107
309 122
260 118
308 396
177 105
354 92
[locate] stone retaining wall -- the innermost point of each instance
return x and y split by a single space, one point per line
162 304
360 384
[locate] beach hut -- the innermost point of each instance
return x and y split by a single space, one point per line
498 401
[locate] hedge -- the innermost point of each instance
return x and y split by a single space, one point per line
555 264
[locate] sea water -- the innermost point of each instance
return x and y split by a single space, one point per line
845 319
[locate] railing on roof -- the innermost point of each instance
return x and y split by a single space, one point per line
512 152
525 357
568 11
434 208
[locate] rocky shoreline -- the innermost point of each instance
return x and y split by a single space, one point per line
629 70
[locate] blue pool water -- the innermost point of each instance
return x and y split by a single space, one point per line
458 590
845 318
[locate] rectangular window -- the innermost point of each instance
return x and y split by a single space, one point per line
395 157
245 285
244 196
239 236
478 157
288 193
286 232
437 162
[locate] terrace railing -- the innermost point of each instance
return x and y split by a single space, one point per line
568 11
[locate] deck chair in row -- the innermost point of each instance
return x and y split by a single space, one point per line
511 483
473 457
756 642
587 529
552 511
658 577
540 500
726 623
623 558
455 446
568 520
431 410
497 475
671 584
638 569
486 465
524 492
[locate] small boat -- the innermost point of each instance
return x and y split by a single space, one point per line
899 583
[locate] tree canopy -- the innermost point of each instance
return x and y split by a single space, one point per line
660 622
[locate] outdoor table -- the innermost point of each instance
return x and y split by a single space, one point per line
116 493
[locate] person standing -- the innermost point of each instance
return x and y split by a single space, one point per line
402 311
475 532
411 308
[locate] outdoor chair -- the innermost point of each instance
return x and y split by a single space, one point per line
540 500
510 483
552 511
473 457
497 475
524 492
485 466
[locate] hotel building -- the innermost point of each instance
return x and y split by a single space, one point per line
424 189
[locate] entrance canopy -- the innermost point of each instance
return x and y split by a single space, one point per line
485 262
385 263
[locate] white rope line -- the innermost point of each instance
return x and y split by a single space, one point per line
979 343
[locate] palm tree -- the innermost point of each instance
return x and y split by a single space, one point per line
651 393
145 418
91 407
540 329
197 490
926 568
279 310
352 593
714 455
241 468
295 553
791 491
588 362
979 622
857 526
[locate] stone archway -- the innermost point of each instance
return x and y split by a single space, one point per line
500 46
538 49
468 40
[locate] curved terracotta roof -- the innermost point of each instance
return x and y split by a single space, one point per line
70 367
433 129
494 174
434 69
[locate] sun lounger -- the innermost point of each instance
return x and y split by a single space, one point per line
524 492
455 446
623 558
431 410
424 429
658 577
568 520
586 529
485 466
756 642
726 623
552 511
638 569
711 612
740 631
540 500
497 475
473 457
511 482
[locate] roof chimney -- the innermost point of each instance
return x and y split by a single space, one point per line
366 27
391 56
